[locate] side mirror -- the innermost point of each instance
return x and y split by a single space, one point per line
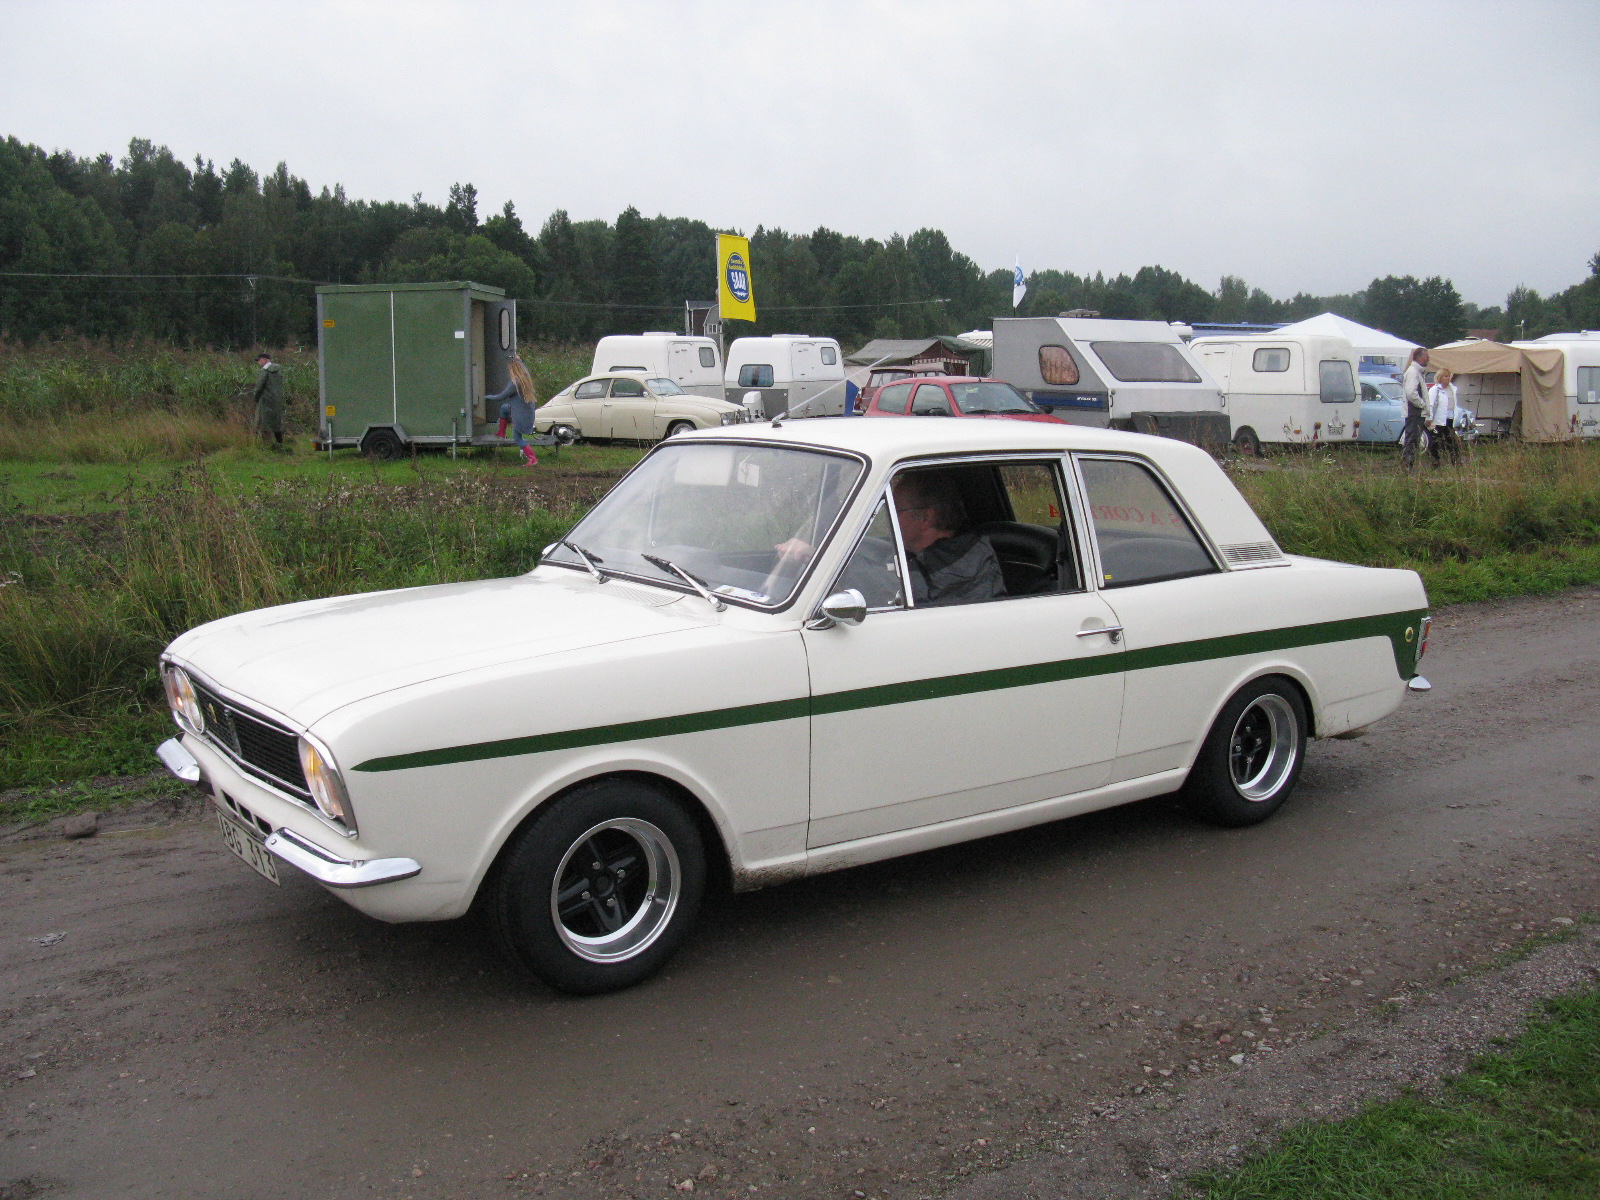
848 607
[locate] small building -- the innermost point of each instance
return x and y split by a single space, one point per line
409 364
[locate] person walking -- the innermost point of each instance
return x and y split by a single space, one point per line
517 401
1444 413
269 403
1415 388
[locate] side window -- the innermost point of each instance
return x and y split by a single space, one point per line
1270 358
830 356
895 398
1368 392
931 401
627 387
755 375
1145 362
1056 365
592 390
1035 546
1589 385
1338 382
505 329
708 356
874 566
1142 535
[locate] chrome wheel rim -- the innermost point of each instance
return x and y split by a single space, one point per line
1263 748
615 890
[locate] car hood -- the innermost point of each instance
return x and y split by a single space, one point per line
306 660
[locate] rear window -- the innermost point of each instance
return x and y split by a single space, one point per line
590 390
755 375
1338 381
708 356
1270 358
894 398
830 356
1589 385
1142 535
1145 362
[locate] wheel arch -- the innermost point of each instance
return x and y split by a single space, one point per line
1296 677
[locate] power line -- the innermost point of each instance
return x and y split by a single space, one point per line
135 275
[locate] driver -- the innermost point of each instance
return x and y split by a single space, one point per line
947 567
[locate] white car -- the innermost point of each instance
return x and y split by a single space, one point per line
750 663
634 407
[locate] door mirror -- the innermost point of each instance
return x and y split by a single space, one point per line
848 607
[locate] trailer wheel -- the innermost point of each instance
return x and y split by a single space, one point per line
1247 443
565 435
382 445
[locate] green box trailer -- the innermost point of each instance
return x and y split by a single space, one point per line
409 364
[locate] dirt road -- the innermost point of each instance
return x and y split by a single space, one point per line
896 1030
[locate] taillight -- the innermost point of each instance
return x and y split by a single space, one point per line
1422 639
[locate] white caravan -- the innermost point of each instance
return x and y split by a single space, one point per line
1296 389
1090 371
793 373
692 363
1580 376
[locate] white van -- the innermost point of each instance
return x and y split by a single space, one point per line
692 363
793 372
1580 376
1093 371
1295 389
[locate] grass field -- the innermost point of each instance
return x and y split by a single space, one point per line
135 504
1523 1122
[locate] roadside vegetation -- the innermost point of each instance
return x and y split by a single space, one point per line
1522 1122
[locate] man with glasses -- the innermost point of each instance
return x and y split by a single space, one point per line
947 567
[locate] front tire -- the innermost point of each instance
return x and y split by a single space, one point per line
1251 759
678 427
598 891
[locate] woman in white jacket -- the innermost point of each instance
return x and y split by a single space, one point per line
1444 417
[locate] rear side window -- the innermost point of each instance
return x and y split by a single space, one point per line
708 356
830 356
932 401
592 390
1142 535
895 398
755 375
1589 385
1337 380
1270 358
1145 362
1057 366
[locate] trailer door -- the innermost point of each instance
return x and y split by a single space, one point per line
682 364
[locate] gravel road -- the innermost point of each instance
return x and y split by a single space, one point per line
1082 1009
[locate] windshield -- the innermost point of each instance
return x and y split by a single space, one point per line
664 387
991 398
748 520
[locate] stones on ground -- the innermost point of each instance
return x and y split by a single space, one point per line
1562 921
47 939
1236 1059
83 825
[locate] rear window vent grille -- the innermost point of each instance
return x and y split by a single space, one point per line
1253 554
261 747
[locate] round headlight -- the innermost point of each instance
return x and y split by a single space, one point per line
182 700
322 780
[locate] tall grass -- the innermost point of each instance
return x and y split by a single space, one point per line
130 438
86 604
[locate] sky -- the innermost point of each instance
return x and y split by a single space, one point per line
1304 145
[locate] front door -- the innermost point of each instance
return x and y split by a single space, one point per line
930 712
630 409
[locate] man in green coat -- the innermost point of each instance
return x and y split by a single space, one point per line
269 401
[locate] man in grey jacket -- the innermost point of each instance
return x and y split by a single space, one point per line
947 567
1415 387
269 401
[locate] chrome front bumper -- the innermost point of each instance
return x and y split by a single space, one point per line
326 868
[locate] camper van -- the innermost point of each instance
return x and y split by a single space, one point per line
1580 376
692 363
1287 390
793 372
1124 374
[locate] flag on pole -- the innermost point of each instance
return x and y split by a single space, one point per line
1019 284
736 296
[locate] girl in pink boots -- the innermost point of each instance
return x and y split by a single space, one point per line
517 402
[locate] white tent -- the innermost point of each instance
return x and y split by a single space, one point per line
1367 343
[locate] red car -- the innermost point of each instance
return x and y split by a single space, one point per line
884 376
955 396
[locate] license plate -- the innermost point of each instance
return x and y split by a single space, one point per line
238 839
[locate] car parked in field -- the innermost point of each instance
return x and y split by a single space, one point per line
632 406
1383 409
955 396
778 650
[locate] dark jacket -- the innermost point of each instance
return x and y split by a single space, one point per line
959 569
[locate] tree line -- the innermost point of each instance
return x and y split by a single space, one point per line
227 257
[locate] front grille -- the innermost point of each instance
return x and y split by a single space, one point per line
263 748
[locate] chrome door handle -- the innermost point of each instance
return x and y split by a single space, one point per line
1113 631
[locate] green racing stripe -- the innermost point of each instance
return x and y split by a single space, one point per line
1400 628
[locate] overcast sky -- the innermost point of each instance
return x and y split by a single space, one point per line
1306 146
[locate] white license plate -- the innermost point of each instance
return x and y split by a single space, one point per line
238 839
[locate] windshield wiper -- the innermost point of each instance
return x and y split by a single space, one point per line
693 581
590 559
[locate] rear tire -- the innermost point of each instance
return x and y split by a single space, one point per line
598 891
1251 759
1247 443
